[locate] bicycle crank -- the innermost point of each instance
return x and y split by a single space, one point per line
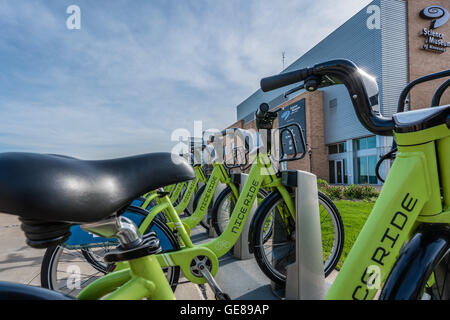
201 267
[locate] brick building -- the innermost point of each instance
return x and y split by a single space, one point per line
342 150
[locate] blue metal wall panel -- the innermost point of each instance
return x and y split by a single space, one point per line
340 123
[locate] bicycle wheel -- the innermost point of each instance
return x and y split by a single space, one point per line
274 251
70 270
198 195
437 286
422 271
224 206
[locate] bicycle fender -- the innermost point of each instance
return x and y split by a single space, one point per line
416 260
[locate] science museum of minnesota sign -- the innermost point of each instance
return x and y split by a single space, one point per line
435 41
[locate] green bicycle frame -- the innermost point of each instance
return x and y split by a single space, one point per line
175 194
170 188
175 191
410 196
191 188
143 279
219 174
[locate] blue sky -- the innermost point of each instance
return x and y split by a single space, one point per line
137 70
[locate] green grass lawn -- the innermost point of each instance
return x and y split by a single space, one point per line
354 214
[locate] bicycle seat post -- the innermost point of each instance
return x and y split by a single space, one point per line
117 227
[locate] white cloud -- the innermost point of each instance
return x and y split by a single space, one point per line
134 73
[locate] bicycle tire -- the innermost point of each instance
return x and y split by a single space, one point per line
426 254
257 241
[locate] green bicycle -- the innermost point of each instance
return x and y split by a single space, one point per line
274 255
406 240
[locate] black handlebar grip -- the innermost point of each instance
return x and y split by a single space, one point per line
284 79
262 110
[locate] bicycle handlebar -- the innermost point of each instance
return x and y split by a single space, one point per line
298 88
439 92
362 88
407 89
284 79
261 113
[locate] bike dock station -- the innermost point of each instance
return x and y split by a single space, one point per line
305 277
240 249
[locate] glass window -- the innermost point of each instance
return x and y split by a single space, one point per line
371 142
361 144
366 143
339 171
345 171
331 172
332 149
337 148
366 170
362 170
371 172
341 147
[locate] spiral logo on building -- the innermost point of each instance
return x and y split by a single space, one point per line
285 115
438 14
435 40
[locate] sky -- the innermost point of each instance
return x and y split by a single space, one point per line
138 70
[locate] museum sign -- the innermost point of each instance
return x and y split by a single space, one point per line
435 41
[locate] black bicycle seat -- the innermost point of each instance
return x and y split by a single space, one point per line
421 119
55 188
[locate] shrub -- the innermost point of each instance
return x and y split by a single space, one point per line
322 185
360 192
334 192
369 192
353 192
